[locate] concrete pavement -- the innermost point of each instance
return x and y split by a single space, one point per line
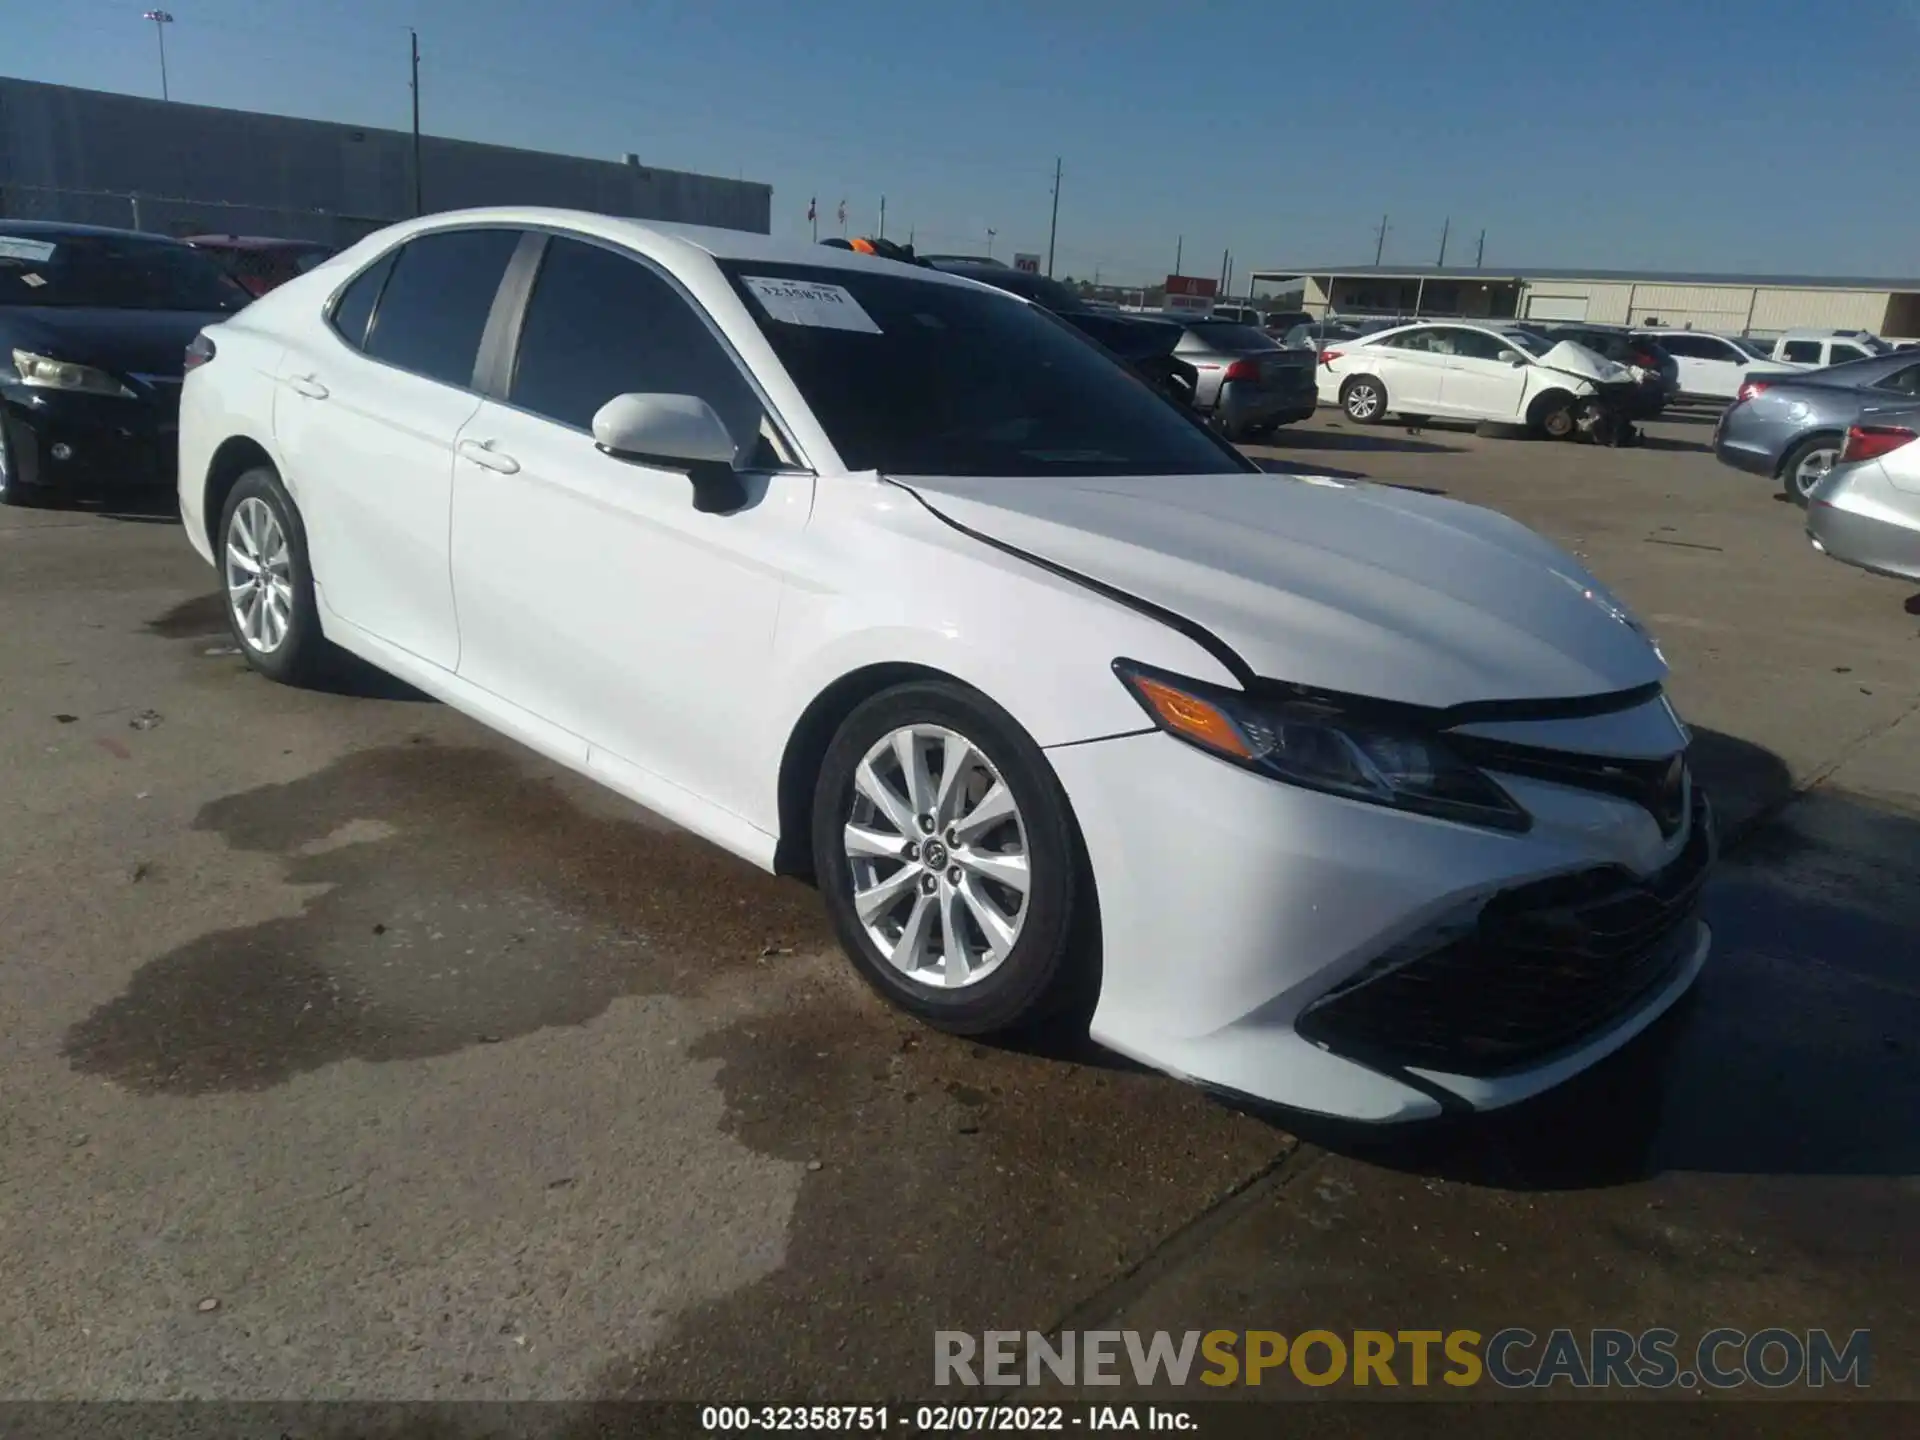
444 1075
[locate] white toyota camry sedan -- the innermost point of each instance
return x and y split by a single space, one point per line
1345 797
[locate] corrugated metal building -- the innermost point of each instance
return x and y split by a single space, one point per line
103 159
1734 304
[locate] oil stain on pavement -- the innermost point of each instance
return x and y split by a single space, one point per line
488 906
462 896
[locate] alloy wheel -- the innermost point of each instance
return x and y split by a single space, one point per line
1363 402
259 571
938 854
1813 468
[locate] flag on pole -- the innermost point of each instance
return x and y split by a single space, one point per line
843 215
811 213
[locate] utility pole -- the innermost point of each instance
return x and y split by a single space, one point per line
1178 245
991 232
1481 253
1380 242
1444 231
161 19
413 44
1053 225
883 219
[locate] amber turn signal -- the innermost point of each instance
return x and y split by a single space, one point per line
1192 717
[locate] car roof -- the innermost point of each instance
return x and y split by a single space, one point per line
660 237
23 228
1680 330
256 242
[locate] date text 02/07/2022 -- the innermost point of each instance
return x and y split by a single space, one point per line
943 1419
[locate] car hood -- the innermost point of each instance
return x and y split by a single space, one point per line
1362 589
125 342
1572 358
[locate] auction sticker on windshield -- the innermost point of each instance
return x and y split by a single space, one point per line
13 247
810 302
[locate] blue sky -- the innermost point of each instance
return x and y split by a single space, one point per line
1758 135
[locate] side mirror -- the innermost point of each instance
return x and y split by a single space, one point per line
680 432
1513 358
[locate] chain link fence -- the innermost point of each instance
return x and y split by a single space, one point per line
179 215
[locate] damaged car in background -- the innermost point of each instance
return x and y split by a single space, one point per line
1500 375
1341 796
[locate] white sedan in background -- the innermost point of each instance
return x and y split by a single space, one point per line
1360 800
1464 371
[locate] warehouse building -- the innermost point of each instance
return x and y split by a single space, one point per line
1732 304
94 158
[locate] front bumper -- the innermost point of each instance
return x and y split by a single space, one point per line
87 443
1236 911
1857 516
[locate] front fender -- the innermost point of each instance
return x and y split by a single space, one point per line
888 584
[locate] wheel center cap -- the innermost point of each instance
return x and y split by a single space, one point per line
933 855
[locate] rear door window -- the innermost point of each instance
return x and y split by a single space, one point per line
1838 354
434 308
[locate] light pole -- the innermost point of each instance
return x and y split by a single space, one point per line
161 19
991 232
413 45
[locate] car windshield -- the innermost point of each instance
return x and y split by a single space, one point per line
1752 347
920 377
112 272
1231 336
1528 341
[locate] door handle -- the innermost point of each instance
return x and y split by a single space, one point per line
482 453
308 386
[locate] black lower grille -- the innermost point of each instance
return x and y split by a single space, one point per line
1545 966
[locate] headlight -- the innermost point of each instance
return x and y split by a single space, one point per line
1319 746
42 372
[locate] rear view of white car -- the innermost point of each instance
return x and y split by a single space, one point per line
1509 376
1359 800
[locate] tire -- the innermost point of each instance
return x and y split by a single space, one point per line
21 497
1806 465
291 651
979 993
1552 415
1364 399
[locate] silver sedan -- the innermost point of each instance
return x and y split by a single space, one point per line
1866 510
